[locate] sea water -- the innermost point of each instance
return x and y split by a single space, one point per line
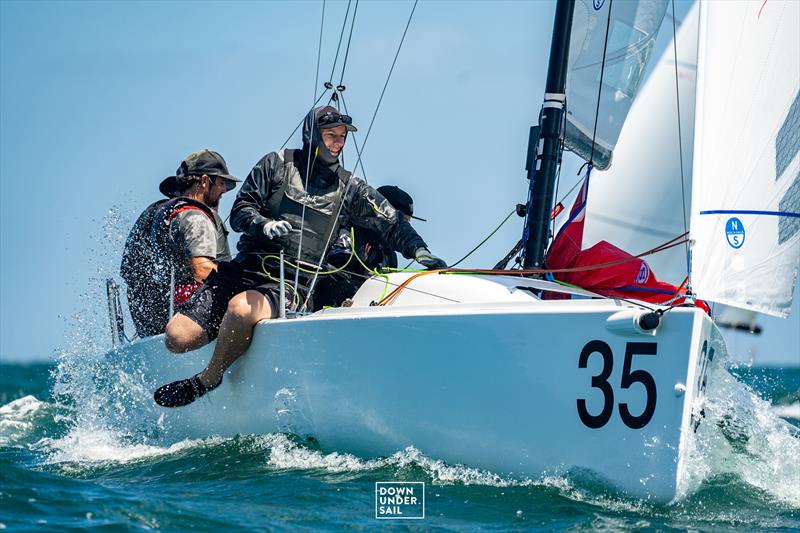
65 465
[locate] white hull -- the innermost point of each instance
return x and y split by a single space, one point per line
490 385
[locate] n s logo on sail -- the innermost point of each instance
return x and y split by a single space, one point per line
734 232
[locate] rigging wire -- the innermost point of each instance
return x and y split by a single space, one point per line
402 39
600 85
289 138
310 161
563 136
349 38
349 182
570 191
680 148
360 160
341 35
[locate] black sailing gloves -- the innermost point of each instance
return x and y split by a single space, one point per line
424 257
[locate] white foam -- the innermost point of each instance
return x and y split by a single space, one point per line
88 446
17 418
285 454
21 407
740 434
791 410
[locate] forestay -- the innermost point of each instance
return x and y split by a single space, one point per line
631 35
746 189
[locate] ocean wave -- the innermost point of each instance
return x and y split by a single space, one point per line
97 452
16 418
26 419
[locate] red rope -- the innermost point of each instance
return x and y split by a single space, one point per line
660 248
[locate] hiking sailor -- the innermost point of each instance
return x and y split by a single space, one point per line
287 192
176 242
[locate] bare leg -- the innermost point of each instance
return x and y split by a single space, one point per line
184 334
245 310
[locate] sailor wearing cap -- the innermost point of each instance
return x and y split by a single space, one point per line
176 242
293 201
371 247
373 251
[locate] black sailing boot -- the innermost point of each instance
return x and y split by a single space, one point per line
181 392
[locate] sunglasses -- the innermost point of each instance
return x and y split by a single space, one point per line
331 117
229 184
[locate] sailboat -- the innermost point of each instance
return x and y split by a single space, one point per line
480 367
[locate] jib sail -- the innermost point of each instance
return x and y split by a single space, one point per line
746 187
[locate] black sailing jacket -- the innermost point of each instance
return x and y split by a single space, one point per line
276 189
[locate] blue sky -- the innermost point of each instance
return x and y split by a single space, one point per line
100 100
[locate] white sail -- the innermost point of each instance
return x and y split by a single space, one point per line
637 204
746 191
626 39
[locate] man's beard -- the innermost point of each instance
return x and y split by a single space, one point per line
212 205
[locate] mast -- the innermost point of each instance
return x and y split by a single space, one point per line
548 151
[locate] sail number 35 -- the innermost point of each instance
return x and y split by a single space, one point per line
629 377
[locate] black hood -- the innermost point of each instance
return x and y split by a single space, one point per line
312 142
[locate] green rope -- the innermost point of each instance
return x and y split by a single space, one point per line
381 274
327 272
484 240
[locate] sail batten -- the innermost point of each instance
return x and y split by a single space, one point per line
745 223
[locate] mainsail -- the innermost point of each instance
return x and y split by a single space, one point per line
746 184
626 40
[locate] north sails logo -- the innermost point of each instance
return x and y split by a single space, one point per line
734 232
598 4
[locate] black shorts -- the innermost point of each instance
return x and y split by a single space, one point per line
209 303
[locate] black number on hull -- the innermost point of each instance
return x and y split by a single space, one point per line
599 381
706 356
638 376
629 377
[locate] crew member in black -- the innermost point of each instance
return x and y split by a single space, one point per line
373 251
289 201
176 242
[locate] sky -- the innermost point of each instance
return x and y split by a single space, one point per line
99 101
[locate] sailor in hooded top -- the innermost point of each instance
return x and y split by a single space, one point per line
289 202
